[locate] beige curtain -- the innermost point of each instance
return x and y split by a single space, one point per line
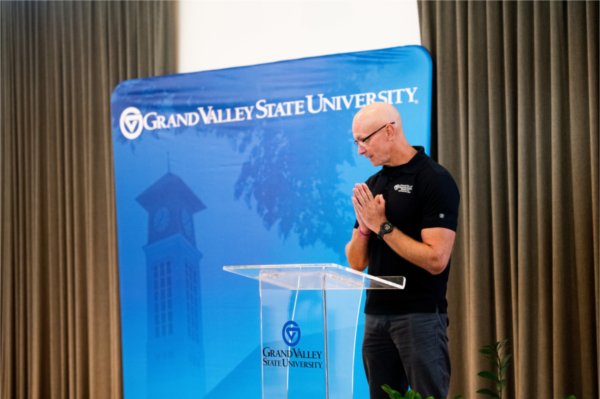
516 121
59 288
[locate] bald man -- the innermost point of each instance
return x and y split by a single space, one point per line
406 219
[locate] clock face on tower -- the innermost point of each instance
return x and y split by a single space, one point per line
161 220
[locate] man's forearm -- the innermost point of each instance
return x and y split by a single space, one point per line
357 251
432 255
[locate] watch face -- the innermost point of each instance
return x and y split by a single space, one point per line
161 219
384 229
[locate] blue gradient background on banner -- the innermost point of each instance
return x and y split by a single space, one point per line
259 191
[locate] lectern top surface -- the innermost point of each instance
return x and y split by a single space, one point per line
317 277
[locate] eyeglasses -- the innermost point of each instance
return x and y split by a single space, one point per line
363 141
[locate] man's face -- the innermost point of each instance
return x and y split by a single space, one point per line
372 143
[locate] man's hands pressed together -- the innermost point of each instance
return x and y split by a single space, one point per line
370 211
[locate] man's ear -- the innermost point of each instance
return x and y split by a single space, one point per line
389 131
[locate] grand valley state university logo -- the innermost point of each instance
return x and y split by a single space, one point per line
131 123
292 356
291 333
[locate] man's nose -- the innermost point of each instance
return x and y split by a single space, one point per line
361 150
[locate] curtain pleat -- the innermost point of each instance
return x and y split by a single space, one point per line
516 118
59 287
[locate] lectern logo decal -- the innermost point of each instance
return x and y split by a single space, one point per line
291 333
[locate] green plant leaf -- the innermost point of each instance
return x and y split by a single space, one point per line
387 388
571 397
488 375
488 392
415 395
502 343
393 394
505 362
487 350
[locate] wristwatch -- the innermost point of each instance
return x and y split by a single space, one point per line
385 228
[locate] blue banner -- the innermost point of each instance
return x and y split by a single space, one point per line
249 165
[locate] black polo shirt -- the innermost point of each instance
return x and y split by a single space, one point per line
418 195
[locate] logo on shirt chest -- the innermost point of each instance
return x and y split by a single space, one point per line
403 188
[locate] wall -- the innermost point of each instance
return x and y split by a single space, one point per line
227 33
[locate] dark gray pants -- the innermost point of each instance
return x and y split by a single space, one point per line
407 350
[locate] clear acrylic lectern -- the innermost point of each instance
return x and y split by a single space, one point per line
308 321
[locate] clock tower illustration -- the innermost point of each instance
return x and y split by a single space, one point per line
175 350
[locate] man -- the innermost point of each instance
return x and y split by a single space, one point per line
406 218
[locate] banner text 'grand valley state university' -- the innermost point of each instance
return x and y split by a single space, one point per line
132 122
